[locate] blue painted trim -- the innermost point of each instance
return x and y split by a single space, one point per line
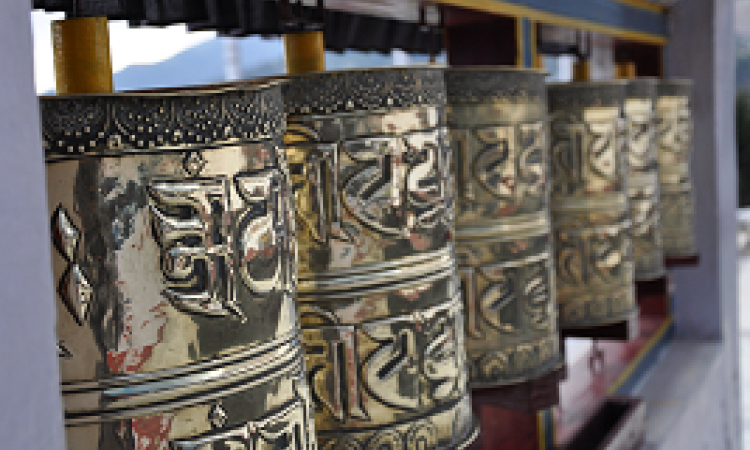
526 30
549 430
604 12
645 364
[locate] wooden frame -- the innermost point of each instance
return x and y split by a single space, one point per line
632 20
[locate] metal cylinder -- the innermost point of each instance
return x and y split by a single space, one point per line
379 298
499 133
674 138
590 213
643 179
174 253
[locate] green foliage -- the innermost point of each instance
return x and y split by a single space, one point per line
742 112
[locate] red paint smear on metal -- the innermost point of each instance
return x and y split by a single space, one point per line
129 361
420 243
132 359
152 433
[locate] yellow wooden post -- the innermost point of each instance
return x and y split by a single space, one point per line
539 61
305 52
81 54
582 71
625 70
519 42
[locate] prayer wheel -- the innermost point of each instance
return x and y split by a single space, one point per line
643 179
379 296
674 140
589 204
175 258
499 129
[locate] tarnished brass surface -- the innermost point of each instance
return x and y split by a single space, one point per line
381 310
590 215
499 130
643 179
175 255
674 130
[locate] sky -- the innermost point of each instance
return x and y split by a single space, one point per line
127 45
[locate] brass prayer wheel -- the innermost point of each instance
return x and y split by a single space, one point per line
499 133
174 250
674 140
379 297
590 214
643 179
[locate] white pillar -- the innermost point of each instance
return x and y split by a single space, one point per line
701 47
30 407
602 57
232 59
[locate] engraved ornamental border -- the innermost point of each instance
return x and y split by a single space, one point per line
577 95
490 85
116 124
364 90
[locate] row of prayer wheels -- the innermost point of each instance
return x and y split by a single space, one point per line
333 259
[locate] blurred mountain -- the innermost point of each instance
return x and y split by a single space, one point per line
204 64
